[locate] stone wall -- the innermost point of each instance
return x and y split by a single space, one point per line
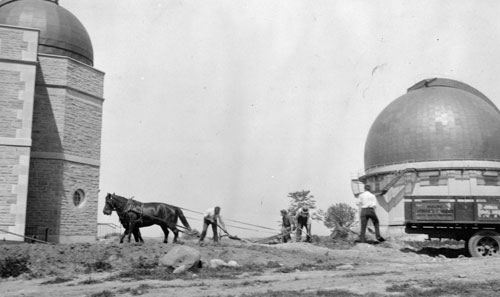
18 52
45 190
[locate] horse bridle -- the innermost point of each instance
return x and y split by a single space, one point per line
121 212
111 205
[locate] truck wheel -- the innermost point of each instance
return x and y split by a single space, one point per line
484 243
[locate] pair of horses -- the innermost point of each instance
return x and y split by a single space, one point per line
134 215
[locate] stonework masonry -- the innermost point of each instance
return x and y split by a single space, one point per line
18 52
63 71
66 150
50 142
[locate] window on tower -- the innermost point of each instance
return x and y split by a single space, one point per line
78 197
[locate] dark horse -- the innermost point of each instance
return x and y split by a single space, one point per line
136 215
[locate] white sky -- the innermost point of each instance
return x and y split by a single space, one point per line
237 103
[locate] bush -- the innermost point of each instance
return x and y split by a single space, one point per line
13 267
339 217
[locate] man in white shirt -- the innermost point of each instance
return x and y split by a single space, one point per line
212 217
368 202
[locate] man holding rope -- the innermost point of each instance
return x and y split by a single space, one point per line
288 224
212 217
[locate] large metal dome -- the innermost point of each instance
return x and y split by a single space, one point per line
437 119
61 33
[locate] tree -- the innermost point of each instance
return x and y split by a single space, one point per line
300 199
339 217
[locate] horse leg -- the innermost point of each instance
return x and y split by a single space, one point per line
135 236
125 233
131 229
165 231
123 236
176 234
175 231
139 236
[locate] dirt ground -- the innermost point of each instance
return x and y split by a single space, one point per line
98 269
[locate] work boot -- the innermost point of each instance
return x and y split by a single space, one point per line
380 239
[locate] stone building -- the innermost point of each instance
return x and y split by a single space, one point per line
51 101
440 140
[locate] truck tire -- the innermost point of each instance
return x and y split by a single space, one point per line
484 243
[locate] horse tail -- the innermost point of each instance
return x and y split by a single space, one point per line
181 216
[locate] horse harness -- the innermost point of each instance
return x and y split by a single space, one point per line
132 206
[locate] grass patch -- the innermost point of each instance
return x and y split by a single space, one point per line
250 283
455 288
140 290
367 274
302 293
144 263
164 273
57 280
90 281
104 293
97 266
11 266
398 287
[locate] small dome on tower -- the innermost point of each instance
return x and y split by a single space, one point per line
61 33
437 119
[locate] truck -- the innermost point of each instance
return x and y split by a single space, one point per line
474 219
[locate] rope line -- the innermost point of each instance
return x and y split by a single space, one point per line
190 210
248 224
27 237
237 227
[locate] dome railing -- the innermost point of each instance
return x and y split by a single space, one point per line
428 160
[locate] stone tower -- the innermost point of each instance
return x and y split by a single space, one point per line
51 121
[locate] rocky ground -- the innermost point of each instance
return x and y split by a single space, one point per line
323 268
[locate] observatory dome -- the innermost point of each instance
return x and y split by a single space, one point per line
61 33
437 119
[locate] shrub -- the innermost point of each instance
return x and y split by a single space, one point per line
339 217
13 267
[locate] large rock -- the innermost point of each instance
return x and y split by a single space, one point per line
181 255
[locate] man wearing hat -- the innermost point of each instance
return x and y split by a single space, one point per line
303 219
287 225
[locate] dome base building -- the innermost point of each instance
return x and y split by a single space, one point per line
50 118
441 140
